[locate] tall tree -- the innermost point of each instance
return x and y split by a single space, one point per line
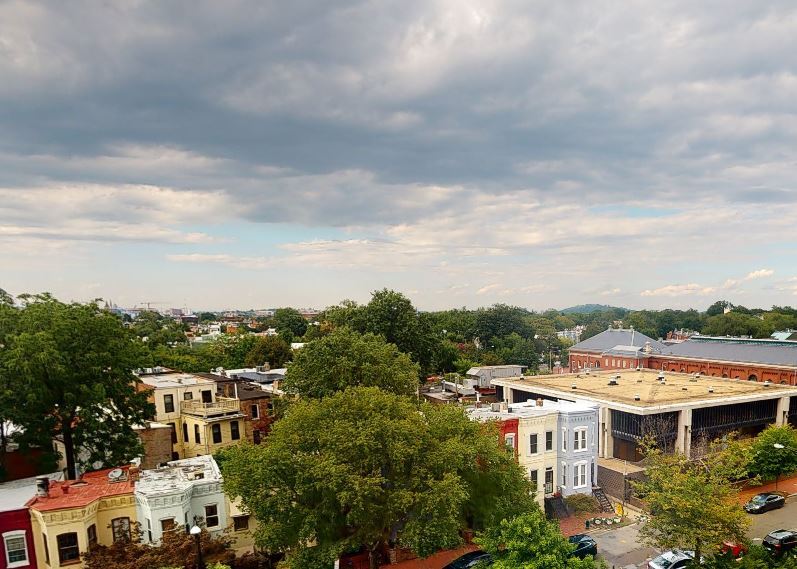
364 468
501 320
71 366
692 504
774 452
345 358
289 320
269 349
530 541
8 318
391 315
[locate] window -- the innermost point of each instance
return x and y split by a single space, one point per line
168 403
188 395
564 439
240 523
211 515
580 475
548 440
46 550
235 432
533 478
216 429
67 548
185 432
254 410
509 440
533 444
580 442
174 433
549 480
196 434
16 548
564 475
167 525
91 533
121 529
207 396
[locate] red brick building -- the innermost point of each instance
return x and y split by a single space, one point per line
735 358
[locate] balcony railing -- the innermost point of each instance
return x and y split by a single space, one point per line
222 406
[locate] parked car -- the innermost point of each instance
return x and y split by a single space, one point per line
585 545
780 541
764 502
470 560
673 559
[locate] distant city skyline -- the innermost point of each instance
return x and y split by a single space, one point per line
254 154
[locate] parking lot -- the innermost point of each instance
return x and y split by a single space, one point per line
621 547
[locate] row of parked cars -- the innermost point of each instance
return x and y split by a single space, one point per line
584 545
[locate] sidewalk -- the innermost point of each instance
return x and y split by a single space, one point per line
788 485
436 561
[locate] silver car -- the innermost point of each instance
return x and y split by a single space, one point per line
673 559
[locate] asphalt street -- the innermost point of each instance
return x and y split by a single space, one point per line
621 547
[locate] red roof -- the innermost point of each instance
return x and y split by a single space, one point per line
79 493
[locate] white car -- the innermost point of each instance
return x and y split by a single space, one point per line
673 559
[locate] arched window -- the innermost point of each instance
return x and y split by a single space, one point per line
752 377
725 375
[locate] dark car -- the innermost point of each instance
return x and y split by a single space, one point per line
585 545
780 541
470 560
761 503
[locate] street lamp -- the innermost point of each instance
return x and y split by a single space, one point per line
196 532
778 446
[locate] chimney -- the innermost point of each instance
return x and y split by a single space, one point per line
65 488
42 486
539 401
276 385
133 473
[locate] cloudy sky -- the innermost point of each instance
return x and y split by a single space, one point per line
257 154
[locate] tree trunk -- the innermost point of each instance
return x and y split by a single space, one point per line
697 554
373 558
69 451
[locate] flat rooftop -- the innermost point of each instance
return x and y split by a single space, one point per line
679 389
178 475
174 379
527 409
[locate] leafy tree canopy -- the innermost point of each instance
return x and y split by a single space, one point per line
366 468
530 541
345 358
692 504
289 320
71 370
769 461
271 349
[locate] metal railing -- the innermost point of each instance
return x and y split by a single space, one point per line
222 405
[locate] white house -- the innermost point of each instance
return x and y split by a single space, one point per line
179 495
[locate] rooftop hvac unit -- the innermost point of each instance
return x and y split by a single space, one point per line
613 381
573 386
496 407
711 389
636 397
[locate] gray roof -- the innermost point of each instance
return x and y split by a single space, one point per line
612 337
736 352
623 351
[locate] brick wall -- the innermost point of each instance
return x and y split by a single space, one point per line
157 443
612 483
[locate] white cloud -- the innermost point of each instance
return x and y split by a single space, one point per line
679 290
759 274
610 292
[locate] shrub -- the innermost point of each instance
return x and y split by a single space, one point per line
582 503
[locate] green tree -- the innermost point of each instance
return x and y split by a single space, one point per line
71 367
530 541
271 349
289 320
391 315
774 452
8 322
692 504
718 308
366 468
345 358
501 320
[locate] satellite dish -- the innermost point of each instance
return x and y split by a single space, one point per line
116 474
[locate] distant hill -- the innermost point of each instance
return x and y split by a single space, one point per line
589 308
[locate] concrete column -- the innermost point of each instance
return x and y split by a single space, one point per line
683 441
782 414
508 395
606 449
